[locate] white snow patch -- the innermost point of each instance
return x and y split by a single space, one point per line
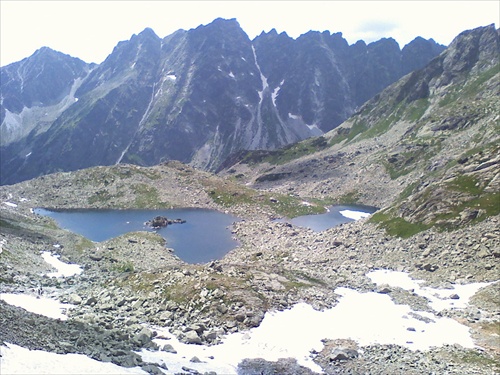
231 74
439 298
18 125
265 85
274 95
18 360
368 318
38 305
355 215
76 99
304 203
314 129
63 269
10 204
171 77
295 117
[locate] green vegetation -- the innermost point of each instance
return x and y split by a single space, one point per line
466 184
122 267
358 127
362 128
83 245
351 197
466 200
480 359
291 207
100 197
7 224
470 89
397 226
416 109
228 194
285 154
407 191
405 162
146 196
302 279
473 87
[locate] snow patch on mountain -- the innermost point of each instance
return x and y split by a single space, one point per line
16 126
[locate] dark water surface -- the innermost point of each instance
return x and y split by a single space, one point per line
329 219
204 237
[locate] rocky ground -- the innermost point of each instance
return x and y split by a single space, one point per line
136 279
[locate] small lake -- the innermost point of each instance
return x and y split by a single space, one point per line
336 215
205 236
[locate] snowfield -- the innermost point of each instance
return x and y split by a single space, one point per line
368 318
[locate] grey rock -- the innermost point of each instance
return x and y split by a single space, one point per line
91 301
384 290
152 369
169 349
74 299
96 256
192 337
166 315
342 355
222 309
130 360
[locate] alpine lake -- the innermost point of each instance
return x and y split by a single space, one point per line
203 236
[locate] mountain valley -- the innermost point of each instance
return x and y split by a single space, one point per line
421 145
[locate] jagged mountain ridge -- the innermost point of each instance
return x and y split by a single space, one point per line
34 87
425 149
197 96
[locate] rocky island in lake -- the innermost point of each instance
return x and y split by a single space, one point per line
162 221
411 288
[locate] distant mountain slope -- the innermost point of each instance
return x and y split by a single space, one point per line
36 90
426 148
196 96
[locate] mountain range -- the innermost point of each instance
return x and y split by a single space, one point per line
424 151
197 96
425 148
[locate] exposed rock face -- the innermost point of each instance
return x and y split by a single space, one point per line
435 162
196 96
36 90
427 145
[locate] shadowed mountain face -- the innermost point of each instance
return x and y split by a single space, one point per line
426 148
196 96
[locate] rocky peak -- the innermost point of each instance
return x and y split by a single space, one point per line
39 80
137 56
478 48
471 52
199 95
148 33
417 53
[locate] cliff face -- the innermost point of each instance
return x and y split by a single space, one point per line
36 90
196 96
425 148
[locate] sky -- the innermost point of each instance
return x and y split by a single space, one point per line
90 29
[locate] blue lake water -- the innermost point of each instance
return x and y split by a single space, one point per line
336 215
204 237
